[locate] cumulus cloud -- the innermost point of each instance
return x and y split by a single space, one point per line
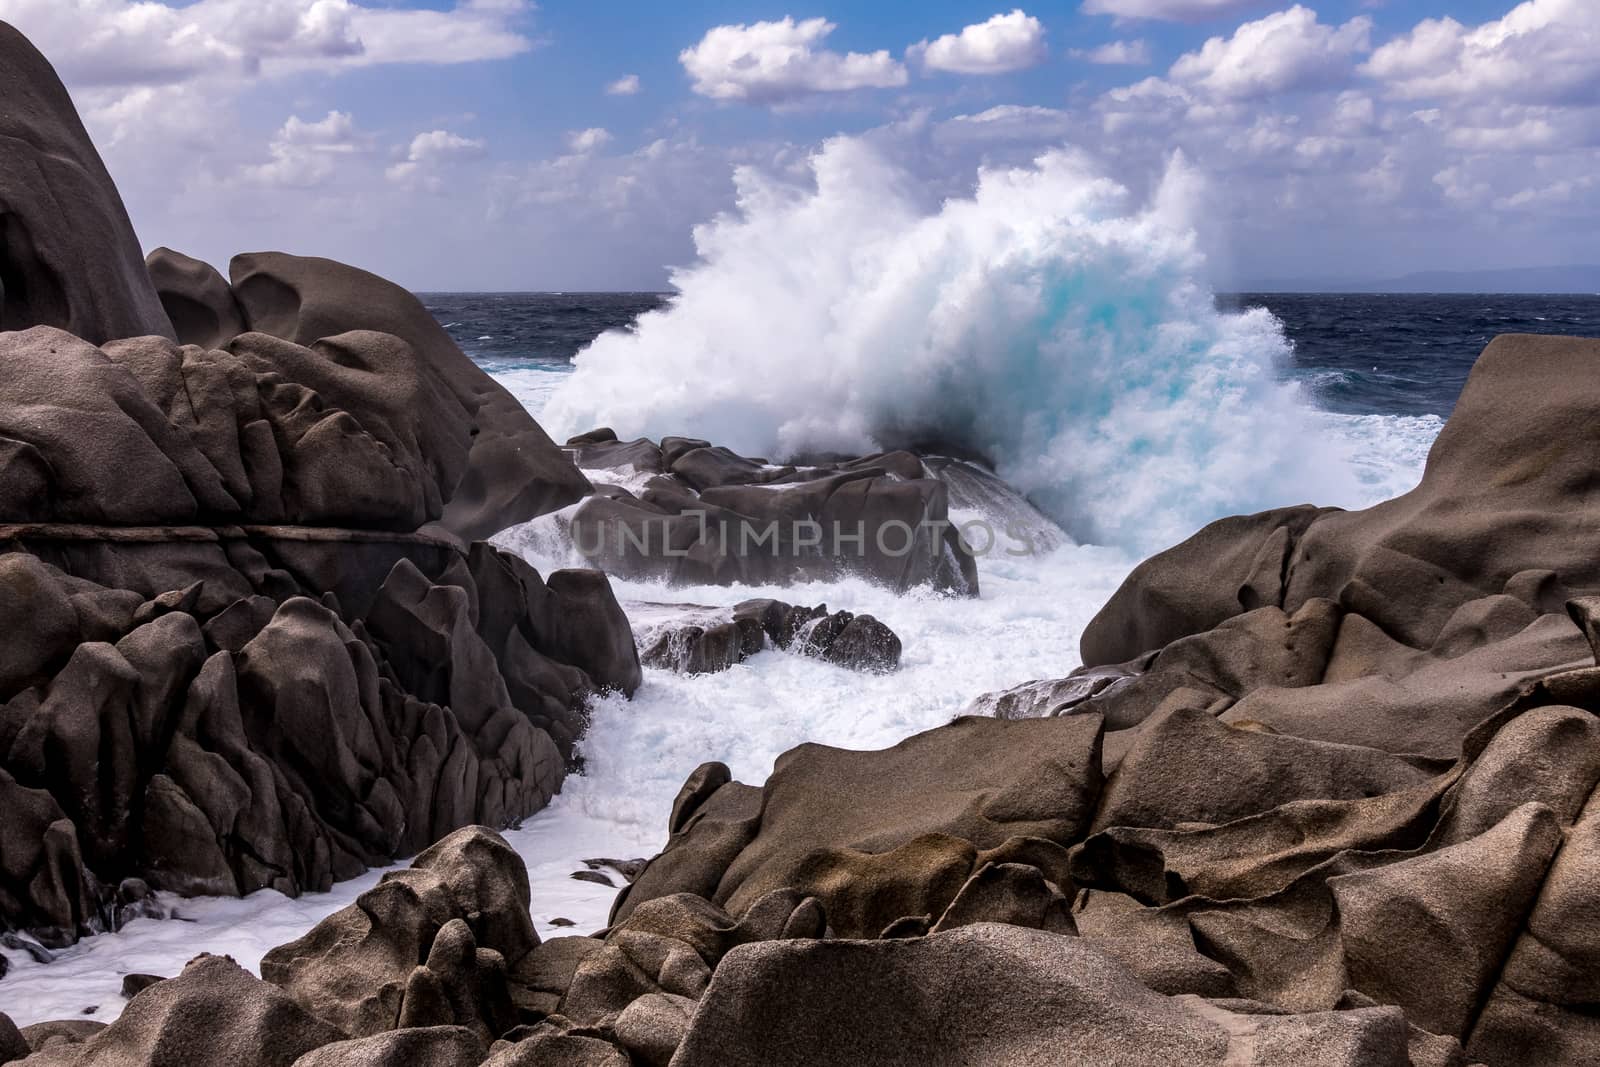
1171 10
588 140
775 61
428 154
1002 44
626 85
1006 123
129 43
1283 52
304 154
1542 51
1118 54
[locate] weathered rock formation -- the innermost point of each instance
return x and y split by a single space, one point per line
1397 628
440 965
696 640
691 513
247 644
507 471
244 653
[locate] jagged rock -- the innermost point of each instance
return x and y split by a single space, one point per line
214 1012
82 442
68 255
353 431
638 457
720 518
1541 1010
1014 893
427 946
1058 696
1455 911
263 740
710 467
862 643
1232 566
1446 600
514 473
1185 766
880 835
691 640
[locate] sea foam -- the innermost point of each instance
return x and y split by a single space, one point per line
1047 322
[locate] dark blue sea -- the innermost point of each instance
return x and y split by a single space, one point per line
1359 354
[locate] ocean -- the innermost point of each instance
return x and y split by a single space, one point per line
1128 424
1355 353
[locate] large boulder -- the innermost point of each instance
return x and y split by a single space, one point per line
353 432
515 473
429 946
68 254
1399 627
713 517
880 837
196 298
990 993
694 640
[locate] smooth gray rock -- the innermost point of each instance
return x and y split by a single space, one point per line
68 255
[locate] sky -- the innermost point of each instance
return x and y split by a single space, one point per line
575 144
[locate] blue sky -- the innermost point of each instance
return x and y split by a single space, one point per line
495 144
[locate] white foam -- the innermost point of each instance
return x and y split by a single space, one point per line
1047 321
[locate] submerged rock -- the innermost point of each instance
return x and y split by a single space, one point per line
695 640
711 517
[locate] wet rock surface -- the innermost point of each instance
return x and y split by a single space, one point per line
691 513
697 640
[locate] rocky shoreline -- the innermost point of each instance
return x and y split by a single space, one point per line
1324 791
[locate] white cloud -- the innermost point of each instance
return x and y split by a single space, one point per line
1459 185
1542 51
775 61
1002 44
1118 54
304 154
1171 10
1283 52
626 85
588 140
428 154
1557 194
473 31
125 43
